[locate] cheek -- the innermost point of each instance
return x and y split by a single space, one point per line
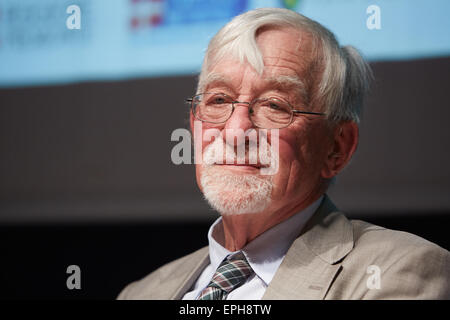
300 160
288 166
208 134
311 143
198 174
292 144
204 135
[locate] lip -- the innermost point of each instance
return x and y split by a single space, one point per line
245 167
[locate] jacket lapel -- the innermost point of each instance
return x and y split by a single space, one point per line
310 265
187 274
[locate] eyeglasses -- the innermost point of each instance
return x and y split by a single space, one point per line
266 113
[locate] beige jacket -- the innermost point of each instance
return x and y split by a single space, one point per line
334 258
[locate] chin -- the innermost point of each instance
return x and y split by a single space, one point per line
230 192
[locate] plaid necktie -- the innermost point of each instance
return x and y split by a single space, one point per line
231 273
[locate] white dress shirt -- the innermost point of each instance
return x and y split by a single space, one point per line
264 254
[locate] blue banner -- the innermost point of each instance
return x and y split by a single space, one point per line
61 41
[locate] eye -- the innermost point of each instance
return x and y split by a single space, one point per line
274 106
219 100
216 99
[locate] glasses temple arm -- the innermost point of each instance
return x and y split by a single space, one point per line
309 112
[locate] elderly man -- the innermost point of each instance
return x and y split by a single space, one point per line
279 235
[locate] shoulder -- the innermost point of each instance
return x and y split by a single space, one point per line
408 266
161 278
392 243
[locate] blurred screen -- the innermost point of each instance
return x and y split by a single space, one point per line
92 90
117 39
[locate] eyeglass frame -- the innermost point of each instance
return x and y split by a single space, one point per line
293 111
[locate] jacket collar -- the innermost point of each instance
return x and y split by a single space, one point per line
190 274
311 263
329 234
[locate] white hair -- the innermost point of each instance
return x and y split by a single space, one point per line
343 74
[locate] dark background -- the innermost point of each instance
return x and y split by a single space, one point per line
86 176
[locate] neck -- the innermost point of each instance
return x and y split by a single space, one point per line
241 229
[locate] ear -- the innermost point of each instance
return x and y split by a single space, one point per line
346 136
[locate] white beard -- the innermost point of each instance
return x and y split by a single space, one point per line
230 192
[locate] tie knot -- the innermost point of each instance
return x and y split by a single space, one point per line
232 273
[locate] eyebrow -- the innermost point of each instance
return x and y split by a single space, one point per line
289 82
282 82
212 78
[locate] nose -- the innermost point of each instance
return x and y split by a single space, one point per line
238 123
240 118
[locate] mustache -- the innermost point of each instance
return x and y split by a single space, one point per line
259 154
220 152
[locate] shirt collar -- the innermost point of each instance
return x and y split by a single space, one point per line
266 252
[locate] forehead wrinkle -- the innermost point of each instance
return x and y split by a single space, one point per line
295 64
299 49
284 55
